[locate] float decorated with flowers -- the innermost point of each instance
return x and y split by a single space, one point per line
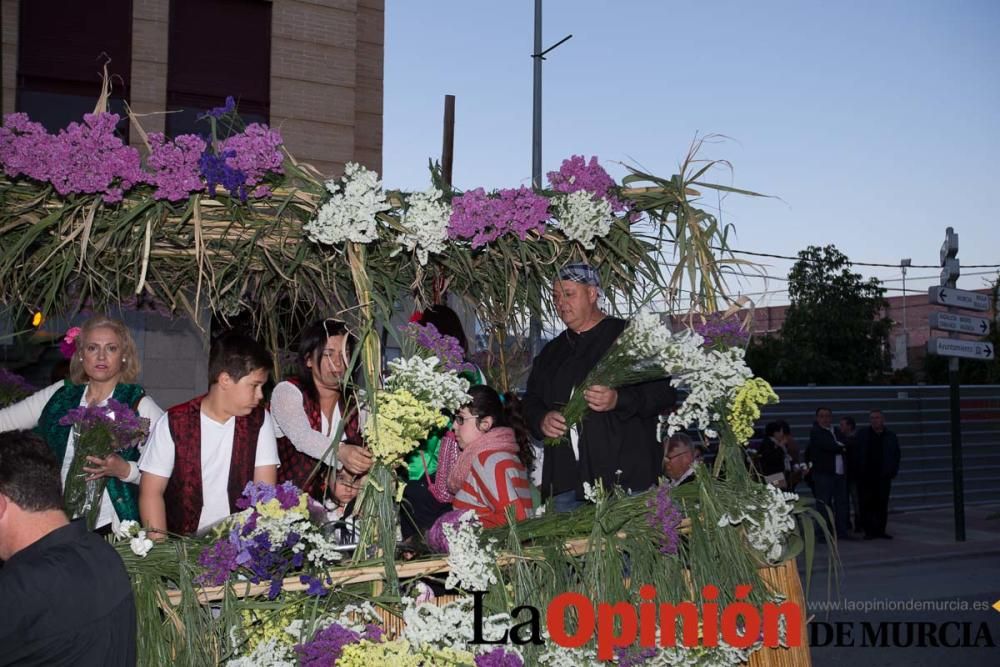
231 222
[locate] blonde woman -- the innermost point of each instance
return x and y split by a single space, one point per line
104 365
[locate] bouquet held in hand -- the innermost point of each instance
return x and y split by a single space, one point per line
100 431
634 357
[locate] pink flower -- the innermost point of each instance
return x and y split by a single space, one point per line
68 344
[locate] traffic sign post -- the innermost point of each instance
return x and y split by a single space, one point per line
955 348
966 349
959 298
976 326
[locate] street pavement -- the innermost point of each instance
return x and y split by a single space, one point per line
887 592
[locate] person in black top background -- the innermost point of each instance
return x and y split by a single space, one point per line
619 432
65 597
879 457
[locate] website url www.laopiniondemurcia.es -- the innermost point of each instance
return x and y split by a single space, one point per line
886 604
649 624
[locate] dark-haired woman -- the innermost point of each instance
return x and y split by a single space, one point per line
309 408
491 473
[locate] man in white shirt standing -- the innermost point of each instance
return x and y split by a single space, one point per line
202 453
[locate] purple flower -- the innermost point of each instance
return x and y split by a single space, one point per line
255 152
83 158
315 585
125 428
483 219
444 347
217 170
665 518
722 332
255 492
13 388
174 166
218 112
218 561
499 657
288 495
327 645
630 657
577 174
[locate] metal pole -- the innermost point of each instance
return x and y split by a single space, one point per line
535 323
536 102
448 142
957 481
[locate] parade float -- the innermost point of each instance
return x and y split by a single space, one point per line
231 223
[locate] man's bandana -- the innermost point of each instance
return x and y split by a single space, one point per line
580 273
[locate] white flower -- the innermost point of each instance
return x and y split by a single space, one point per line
349 215
127 529
471 562
711 377
442 390
270 653
768 523
582 217
426 222
447 626
141 544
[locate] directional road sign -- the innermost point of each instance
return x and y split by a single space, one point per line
967 324
968 349
959 298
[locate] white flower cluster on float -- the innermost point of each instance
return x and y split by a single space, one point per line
767 520
425 222
582 217
723 655
471 561
560 656
138 541
710 376
448 626
440 389
349 214
270 653
647 335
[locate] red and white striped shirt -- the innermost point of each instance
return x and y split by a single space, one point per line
497 479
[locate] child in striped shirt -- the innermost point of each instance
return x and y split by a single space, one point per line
491 473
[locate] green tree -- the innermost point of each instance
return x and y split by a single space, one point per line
835 331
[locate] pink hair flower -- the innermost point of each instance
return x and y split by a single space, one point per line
68 344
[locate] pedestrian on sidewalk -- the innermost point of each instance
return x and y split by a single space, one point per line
879 454
847 434
829 472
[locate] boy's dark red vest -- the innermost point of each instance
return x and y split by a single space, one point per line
183 495
296 467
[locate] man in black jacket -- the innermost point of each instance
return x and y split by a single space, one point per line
879 456
65 598
616 442
829 471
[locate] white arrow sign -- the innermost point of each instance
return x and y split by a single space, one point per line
960 323
953 347
959 298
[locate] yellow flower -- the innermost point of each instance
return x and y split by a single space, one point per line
37 320
745 408
398 424
391 654
262 626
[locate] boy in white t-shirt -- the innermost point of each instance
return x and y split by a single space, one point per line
202 453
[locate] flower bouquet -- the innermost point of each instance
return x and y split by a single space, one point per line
278 532
99 431
13 388
634 357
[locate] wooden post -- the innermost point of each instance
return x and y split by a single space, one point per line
448 143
